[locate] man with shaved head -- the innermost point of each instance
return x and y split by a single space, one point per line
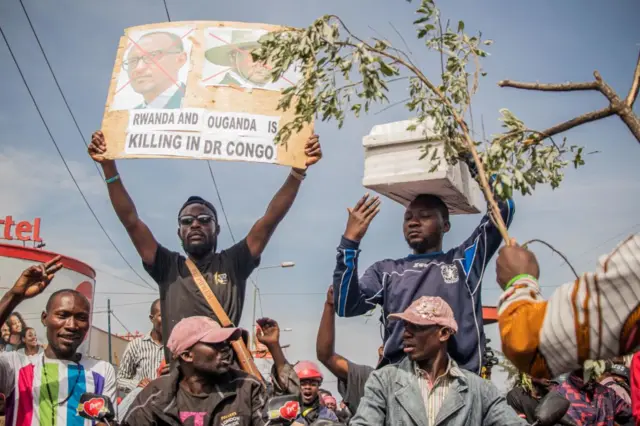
153 63
143 355
454 275
46 390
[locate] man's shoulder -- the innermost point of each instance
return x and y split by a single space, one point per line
475 381
242 378
360 369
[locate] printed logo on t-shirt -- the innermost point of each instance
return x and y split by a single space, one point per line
231 419
221 279
198 418
449 273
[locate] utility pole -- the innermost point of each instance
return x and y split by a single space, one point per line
252 344
109 327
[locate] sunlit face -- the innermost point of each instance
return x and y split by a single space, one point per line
421 342
255 72
309 390
30 339
210 359
15 324
197 230
67 323
153 64
6 332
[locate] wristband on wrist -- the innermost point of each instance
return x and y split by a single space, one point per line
519 277
112 179
297 175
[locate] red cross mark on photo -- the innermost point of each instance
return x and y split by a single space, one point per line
153 57
247 60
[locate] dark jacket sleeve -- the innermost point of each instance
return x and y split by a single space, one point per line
289 377
140 413
352 295
485 240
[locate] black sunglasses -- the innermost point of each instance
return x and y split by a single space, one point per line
187 220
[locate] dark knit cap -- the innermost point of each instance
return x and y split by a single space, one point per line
194 199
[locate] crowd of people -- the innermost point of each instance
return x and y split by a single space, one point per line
433 366
17 336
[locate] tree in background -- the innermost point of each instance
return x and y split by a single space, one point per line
345 73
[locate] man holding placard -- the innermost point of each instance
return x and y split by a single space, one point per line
394 284
225 272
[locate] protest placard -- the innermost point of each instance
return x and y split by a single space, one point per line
192 90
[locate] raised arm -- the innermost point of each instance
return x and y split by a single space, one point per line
31 283
140 235
326 341
263 229
533 330
269 335
354 296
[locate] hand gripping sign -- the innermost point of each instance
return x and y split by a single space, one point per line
192 90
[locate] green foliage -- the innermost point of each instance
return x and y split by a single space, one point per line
346 74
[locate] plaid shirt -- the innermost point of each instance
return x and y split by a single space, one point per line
599 407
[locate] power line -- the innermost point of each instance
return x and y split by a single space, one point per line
166 9
35 104
122 279
224 213
64 98
121 323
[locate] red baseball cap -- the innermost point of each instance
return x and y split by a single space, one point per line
192 330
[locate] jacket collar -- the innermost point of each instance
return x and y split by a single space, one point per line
409 396
169 386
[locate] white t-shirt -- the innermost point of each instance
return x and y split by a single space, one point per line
30 386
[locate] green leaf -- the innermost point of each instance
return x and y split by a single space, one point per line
386 69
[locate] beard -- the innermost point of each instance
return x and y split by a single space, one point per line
199 249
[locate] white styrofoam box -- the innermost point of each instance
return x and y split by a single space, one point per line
392 167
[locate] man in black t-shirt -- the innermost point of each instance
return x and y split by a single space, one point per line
351 376
226 272
203 388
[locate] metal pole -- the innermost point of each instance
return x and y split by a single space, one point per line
253 322
109 327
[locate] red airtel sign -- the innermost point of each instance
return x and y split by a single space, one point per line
22 230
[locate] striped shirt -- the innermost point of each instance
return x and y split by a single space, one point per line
433 394
594 317
36 389
140 360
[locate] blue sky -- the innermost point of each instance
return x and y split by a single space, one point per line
550 42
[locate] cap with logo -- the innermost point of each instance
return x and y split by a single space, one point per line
429 310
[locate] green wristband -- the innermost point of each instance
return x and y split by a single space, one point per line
112 179
517 277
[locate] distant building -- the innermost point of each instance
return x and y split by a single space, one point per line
99 345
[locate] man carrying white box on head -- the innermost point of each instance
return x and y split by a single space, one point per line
454 275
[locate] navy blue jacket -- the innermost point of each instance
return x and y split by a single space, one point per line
454 275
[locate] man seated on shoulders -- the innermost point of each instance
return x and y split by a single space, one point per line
204 388
427 387
46 390
454 275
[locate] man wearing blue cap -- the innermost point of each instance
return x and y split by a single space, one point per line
226 272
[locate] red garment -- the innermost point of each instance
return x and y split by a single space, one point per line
635 387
